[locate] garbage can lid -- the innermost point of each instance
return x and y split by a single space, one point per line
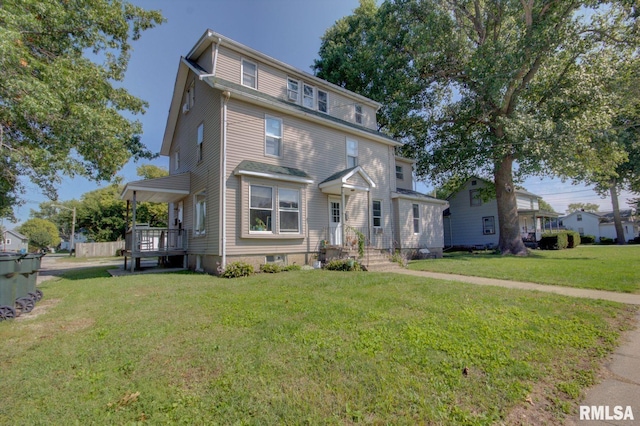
10 254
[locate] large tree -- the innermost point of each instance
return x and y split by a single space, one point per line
502 89
41 233
62 111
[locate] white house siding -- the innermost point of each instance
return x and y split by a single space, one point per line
466 220
527 202
307 146
589 225
608 230
407 169
431 233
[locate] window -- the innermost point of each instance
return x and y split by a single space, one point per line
249 74
275 258
579 217
176 160
581 231
416 219
489 225
358 114
352 153
200 213
377 213
7 241
293 90
200 140
289 210
474 197
273 136
399 173
308 98
191 94
323 103
260 208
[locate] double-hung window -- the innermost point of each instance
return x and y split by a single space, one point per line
249 74
289 210
293 90
352 153
416 219
399 173
323 101
358 113
308 96
377 213
489 225
200 140
261 208
200 213
273 136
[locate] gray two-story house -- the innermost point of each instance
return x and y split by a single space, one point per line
269 163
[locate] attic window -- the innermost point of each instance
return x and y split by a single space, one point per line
358 114
474 182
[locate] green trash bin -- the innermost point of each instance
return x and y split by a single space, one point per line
25 284
8 262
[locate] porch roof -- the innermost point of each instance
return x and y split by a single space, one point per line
169 189
337 181
270 171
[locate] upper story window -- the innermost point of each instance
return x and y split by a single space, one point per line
273 136
323 101
352 153
308 96
200 141
579 217
293 90
176 160
191 94
377 213
399 173
474 197
358 113
249 74
416 218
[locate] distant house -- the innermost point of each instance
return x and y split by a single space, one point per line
79 237
600 225
472 222
14 241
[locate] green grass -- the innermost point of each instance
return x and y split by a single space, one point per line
612 268
314 347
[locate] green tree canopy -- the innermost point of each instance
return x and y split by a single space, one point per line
587 207
499 89
60 111
41 233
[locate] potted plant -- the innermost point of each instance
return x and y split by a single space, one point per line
260 225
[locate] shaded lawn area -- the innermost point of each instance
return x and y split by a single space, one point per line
311 346
613 268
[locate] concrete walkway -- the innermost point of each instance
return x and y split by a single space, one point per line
619 392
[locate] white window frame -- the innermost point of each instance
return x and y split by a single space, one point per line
176 160
243 74
350 153
200 140
277 138
291 92
7 241
200 213
373 214
271 209
399 172
325 102
308 101
489 225
358 113
416 218
282 209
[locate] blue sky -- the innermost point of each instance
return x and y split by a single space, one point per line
288 30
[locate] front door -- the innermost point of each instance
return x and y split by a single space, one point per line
335 222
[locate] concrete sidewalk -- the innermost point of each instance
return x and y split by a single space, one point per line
611 401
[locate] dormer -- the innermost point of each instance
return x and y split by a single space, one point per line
404 172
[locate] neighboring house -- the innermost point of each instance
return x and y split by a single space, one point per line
14 241
599 225
472 222
269 163
79 237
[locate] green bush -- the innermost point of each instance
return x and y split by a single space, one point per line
588 239
293 267
271 268
573 238
237 269
343 265
554 241
607 241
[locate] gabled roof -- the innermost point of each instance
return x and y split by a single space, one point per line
270 171
340 180
418 196
16 234
488 182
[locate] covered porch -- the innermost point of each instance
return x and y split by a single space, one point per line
533 223
143 241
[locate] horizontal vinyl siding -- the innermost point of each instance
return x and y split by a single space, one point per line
431 228
466 220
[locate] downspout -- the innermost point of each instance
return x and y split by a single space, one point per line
223 176
215 57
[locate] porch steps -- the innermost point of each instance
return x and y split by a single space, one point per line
375 260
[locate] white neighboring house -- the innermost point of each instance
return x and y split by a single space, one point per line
597 224
14 241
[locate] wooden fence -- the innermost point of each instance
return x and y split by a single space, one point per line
99 249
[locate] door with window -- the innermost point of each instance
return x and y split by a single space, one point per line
335 221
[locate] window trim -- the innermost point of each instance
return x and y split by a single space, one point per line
196 213
200 141
266 231
358 114
373 214
281 210
276 231
313 95
290 91
416 218
255 73
280 138
351 156
326 101
485 228
400 174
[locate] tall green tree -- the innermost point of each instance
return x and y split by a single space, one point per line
41 233
61 109
500 89
587 207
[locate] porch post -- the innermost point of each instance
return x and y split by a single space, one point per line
344 214
133 232
369 216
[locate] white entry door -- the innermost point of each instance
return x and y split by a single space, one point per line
335 221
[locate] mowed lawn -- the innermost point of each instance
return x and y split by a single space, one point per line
613 268
313 347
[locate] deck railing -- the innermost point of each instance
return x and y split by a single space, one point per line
156 240
375 238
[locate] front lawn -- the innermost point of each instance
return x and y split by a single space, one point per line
312 347
613 268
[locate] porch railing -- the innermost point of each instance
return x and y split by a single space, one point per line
375 238
156 240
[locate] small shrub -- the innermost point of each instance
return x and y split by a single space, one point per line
399 258
607 241
573 239
293 267
343 265
554 241
271 268
587 239
237 269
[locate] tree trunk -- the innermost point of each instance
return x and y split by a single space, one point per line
617 219
510 241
